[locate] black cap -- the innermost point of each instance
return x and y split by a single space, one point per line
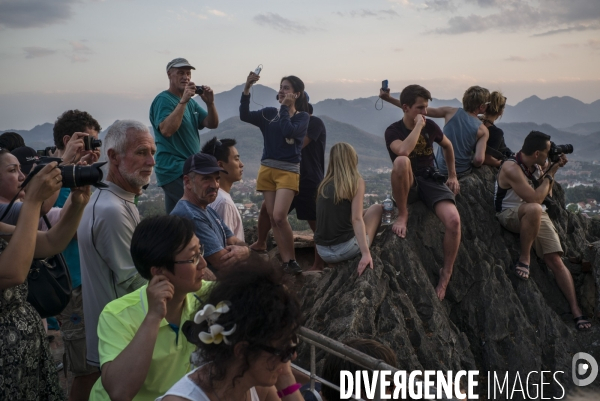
202 163
27 158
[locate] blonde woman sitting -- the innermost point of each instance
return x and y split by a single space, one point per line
344 230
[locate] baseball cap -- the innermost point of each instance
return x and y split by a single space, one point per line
201 163
27 158
179 62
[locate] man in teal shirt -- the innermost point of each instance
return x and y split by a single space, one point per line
176 122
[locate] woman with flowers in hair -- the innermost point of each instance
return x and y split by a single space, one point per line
246 338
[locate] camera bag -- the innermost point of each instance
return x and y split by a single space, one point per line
49 284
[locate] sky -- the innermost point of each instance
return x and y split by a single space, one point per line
108 57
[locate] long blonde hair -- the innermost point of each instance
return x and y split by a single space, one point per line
342 171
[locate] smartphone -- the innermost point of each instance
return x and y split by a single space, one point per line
384 84
258 70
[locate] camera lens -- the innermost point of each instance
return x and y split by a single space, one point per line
78 176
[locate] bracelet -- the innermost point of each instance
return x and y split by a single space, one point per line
289 390
183 102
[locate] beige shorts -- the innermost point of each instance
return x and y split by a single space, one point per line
73 334
547 240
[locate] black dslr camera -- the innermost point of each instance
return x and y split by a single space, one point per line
72 176
557 150
433 173
199 90
49 150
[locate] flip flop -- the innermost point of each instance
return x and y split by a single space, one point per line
580 323
522 268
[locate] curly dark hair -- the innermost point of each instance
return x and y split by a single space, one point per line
72 121
263 309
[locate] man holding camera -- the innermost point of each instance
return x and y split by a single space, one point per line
410 146
519 209
176 122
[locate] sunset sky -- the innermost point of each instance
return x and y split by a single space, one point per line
109 57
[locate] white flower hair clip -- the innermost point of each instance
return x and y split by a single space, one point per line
216 333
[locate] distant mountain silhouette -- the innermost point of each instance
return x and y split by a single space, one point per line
228 103
586 147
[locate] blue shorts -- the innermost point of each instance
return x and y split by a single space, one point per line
340 252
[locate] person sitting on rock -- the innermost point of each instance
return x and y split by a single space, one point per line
410 146
519 209
496 149
343 229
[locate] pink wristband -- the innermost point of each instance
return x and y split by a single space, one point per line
289 390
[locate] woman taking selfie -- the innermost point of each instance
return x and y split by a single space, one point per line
278 179
28 371
344 230
246 338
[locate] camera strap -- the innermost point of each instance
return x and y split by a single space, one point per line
526 171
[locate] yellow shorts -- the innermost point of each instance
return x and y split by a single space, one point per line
272 179
547 240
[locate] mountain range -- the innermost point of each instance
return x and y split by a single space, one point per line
359 123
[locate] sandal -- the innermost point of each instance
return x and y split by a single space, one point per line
580 323
522 270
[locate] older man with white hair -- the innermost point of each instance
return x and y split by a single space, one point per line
107 270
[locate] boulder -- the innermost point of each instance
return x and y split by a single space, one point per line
490 320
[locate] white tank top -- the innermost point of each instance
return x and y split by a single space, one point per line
186 388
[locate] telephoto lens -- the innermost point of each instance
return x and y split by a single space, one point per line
79 176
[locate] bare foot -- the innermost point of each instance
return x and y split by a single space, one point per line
257 248
440 290
399 227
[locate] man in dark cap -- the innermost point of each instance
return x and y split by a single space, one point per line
222 248
176 122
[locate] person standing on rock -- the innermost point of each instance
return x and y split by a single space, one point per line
176 121
410 145
278 178
519 209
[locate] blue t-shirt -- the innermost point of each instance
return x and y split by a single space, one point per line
208 226
71 252
172 152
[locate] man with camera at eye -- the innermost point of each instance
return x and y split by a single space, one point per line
410 146
521 188
176 121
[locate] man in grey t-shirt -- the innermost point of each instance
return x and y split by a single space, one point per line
107 270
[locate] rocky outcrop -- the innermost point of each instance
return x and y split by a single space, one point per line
490 319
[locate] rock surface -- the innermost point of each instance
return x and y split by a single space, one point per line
490 319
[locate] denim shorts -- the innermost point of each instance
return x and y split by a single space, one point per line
340 252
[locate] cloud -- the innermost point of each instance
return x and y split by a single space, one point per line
554 16
76 58
516 58
279 23
576 28
34 13
594 44
217 13
364 13
441 5
36 51
541 57
79 47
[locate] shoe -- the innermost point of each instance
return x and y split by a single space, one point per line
292 266
580 323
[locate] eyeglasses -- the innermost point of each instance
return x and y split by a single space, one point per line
285 355
194 260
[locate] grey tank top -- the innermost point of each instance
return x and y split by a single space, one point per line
461 130
334 221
